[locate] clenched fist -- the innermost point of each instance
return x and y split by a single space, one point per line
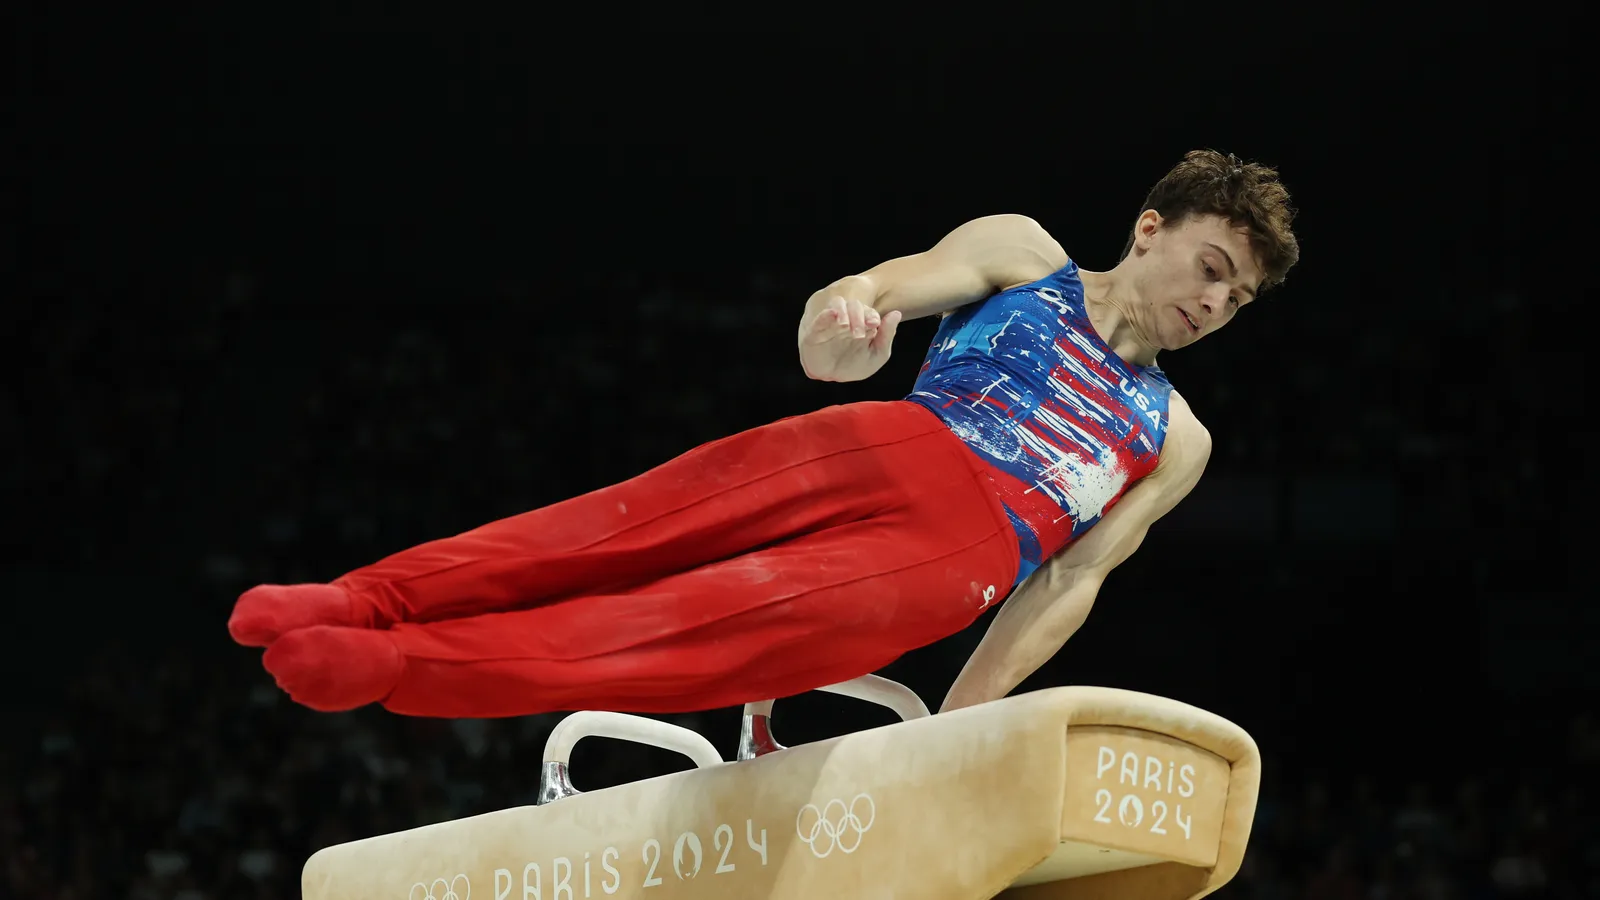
846 340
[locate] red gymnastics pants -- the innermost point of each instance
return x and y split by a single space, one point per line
763 565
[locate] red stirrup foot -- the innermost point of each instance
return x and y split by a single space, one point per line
266 612
334 669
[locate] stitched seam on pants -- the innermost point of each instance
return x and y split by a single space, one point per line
783 599
616 534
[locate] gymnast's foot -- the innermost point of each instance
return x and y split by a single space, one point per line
333 669
266 612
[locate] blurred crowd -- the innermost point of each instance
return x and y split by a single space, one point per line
1524 830
198 781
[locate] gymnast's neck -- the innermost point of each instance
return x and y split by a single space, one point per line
1109 299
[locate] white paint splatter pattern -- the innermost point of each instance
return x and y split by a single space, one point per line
1000 374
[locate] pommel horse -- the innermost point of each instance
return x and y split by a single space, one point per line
1067 793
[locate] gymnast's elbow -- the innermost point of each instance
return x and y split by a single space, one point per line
1068 610
1045 612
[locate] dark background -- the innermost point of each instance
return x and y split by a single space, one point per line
292 295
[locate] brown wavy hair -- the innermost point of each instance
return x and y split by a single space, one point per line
1248 195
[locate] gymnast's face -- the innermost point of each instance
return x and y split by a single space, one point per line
1193 276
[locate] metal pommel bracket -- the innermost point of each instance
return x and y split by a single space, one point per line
755 733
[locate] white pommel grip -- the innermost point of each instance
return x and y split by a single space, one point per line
595 723
755 735
554 780
873 689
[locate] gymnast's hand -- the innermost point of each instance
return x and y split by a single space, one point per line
845 340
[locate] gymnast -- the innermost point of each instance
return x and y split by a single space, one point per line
1038 444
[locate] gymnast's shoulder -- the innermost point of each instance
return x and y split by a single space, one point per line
977 259
1012 248
1187 446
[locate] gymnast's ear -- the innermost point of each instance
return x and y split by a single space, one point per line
1145 229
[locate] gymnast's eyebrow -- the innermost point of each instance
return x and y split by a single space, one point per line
1232 269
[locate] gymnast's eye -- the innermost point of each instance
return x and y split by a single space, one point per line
1210 272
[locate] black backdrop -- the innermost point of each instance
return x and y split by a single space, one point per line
295 294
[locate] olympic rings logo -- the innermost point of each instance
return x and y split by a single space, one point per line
827 829
451 891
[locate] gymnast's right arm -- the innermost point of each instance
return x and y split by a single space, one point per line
848 326
1048 608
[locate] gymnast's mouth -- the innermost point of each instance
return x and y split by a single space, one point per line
1189 321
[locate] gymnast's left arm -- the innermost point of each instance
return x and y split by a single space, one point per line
1048 608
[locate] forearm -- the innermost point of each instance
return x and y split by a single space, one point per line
1030 628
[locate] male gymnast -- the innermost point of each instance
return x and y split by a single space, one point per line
1039 443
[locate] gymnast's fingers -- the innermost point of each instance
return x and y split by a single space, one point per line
858 319
884 337
830 322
